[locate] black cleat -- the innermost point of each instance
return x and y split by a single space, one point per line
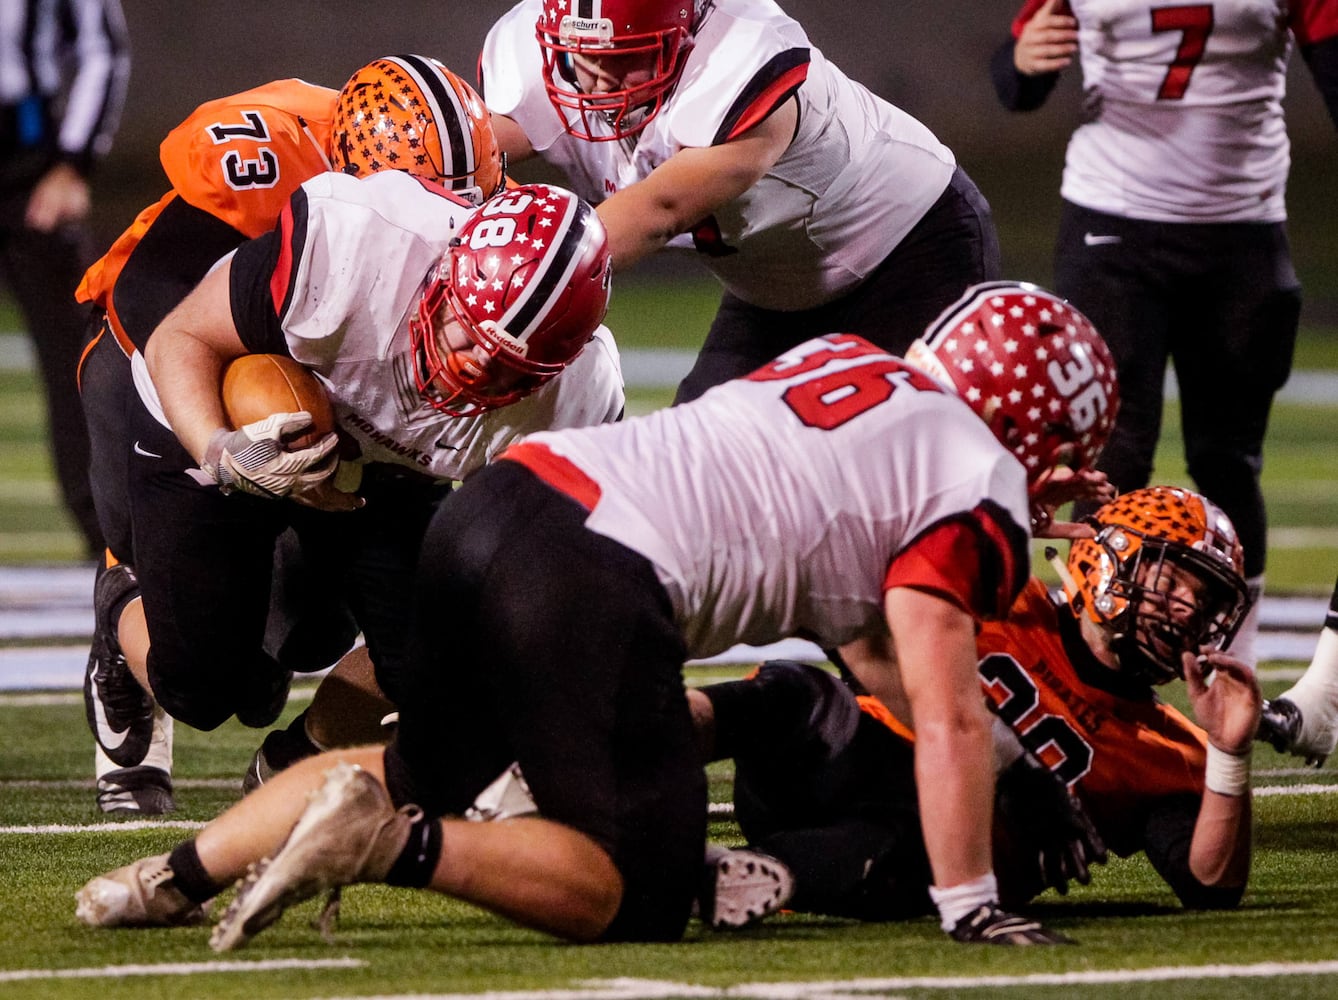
990 925
119 711
141 790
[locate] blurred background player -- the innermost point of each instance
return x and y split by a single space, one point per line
835 492
716 126
233 164
1173 233
823 778
66 66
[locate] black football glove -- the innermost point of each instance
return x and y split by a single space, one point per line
1039 812
991 925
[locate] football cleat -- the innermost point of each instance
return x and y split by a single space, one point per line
137 895
119 710
349 832
1283 725
280 749
988 924
741 887
143 790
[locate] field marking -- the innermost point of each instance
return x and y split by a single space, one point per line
182 969
125 827
717 811
851 989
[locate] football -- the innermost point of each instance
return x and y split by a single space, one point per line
257 385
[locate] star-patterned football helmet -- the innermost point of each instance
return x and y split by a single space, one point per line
527 281
411 113
1163 576
631 52
1032 367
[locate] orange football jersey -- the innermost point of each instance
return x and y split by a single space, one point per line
1120 753
238 158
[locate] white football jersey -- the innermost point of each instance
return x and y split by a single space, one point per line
352 263
1182 118
783 504
857 177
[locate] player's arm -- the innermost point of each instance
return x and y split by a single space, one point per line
1228 710
954 756
1027 65
187 354
692 184
511 139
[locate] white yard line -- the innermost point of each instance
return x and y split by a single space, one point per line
181 969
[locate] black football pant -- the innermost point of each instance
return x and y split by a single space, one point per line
205 563
1221 302
539 641
951 248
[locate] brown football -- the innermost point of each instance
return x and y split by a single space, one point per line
258 385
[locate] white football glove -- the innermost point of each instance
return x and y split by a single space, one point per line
258 457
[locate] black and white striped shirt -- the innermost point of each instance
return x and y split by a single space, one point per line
64 66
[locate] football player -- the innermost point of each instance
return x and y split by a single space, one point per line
1172 232
233 164
823 776
1303 720
716 126
442 331
835 492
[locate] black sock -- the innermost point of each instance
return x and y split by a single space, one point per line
416 863
188 874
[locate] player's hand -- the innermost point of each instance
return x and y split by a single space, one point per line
1228 709
325 496
260 459
1064 486
1048 41
61 196
1038 811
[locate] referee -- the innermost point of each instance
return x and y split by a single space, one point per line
64 65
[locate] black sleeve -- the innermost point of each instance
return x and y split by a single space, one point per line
253 308
1322 58
1017 91
175 252
1167 836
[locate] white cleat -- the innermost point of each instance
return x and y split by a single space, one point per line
137 895
742 887
350 832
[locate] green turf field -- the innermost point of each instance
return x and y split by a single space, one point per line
1133 940
398 942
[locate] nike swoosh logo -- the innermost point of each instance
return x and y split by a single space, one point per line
1093 240
107 736
139 450
448 447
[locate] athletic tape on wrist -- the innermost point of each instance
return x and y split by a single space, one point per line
1227 773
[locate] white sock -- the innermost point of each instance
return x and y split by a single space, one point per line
1316 695
957 901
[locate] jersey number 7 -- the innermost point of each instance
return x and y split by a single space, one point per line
1195 24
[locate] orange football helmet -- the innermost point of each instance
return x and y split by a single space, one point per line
411 113
1164 575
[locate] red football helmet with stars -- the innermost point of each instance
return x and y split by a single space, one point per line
527 279
1032 367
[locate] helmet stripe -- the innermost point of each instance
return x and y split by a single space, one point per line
555 272
447 111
